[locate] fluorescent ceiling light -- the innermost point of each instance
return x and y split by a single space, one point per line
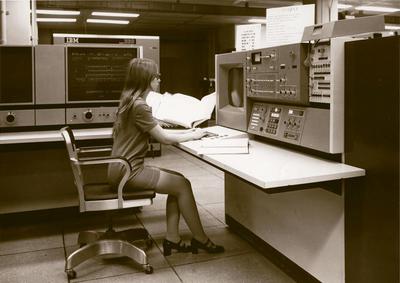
101 21
377 9
54 20
392 27
85 35
344 6
112 14
257 21
57 12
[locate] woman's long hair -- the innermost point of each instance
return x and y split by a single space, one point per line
138 78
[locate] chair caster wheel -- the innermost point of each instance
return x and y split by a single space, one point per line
148 269
71 274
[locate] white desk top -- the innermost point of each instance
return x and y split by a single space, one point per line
266 166
51 136
269 166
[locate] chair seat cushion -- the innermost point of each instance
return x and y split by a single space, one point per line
103 191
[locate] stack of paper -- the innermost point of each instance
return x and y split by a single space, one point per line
180 109
224 146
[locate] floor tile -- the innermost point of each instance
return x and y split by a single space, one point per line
213 193
190 157
164 275
232 243
103 267
213 170
201 163
208 180
155 221
249 267
39 266
99 222
216 209
30 237
182 166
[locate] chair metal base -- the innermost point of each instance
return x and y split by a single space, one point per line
129 235
95 243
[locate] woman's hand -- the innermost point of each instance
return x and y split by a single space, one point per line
198 133
172 137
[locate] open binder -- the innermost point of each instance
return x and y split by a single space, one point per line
180 109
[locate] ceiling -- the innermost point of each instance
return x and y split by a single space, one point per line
176 15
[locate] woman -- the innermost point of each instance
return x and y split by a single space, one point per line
132 129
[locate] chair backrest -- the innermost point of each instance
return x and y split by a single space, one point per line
69 139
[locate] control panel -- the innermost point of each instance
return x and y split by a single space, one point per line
91 115
304 126
279 122
320 73
278 74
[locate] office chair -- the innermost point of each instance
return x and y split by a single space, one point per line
101 197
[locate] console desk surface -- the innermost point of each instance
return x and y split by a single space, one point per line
267 166
53 136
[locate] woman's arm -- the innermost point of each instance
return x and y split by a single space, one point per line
178 131
169 137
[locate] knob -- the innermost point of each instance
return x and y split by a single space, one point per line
88 115
10 118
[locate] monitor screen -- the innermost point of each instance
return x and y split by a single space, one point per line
16 74
235 87
97 73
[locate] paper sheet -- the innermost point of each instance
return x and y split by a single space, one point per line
181 109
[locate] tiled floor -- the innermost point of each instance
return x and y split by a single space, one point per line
36 252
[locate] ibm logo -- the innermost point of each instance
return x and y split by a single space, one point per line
71 40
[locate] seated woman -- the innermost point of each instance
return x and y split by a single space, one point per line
132 129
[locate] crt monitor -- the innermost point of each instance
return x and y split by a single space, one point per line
97 74
16 76
231 94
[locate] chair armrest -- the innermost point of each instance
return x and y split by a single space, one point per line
107 160
94 149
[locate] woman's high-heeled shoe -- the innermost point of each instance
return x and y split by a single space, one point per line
208 246
180 247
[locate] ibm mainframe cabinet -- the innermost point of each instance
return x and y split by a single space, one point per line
372 142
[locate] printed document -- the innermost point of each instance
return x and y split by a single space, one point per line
180 109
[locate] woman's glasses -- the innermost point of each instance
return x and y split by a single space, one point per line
157 76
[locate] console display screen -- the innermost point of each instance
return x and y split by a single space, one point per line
97 74
16 81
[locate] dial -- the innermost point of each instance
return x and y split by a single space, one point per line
88 115
10 118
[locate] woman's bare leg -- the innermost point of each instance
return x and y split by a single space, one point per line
182 201
173 216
